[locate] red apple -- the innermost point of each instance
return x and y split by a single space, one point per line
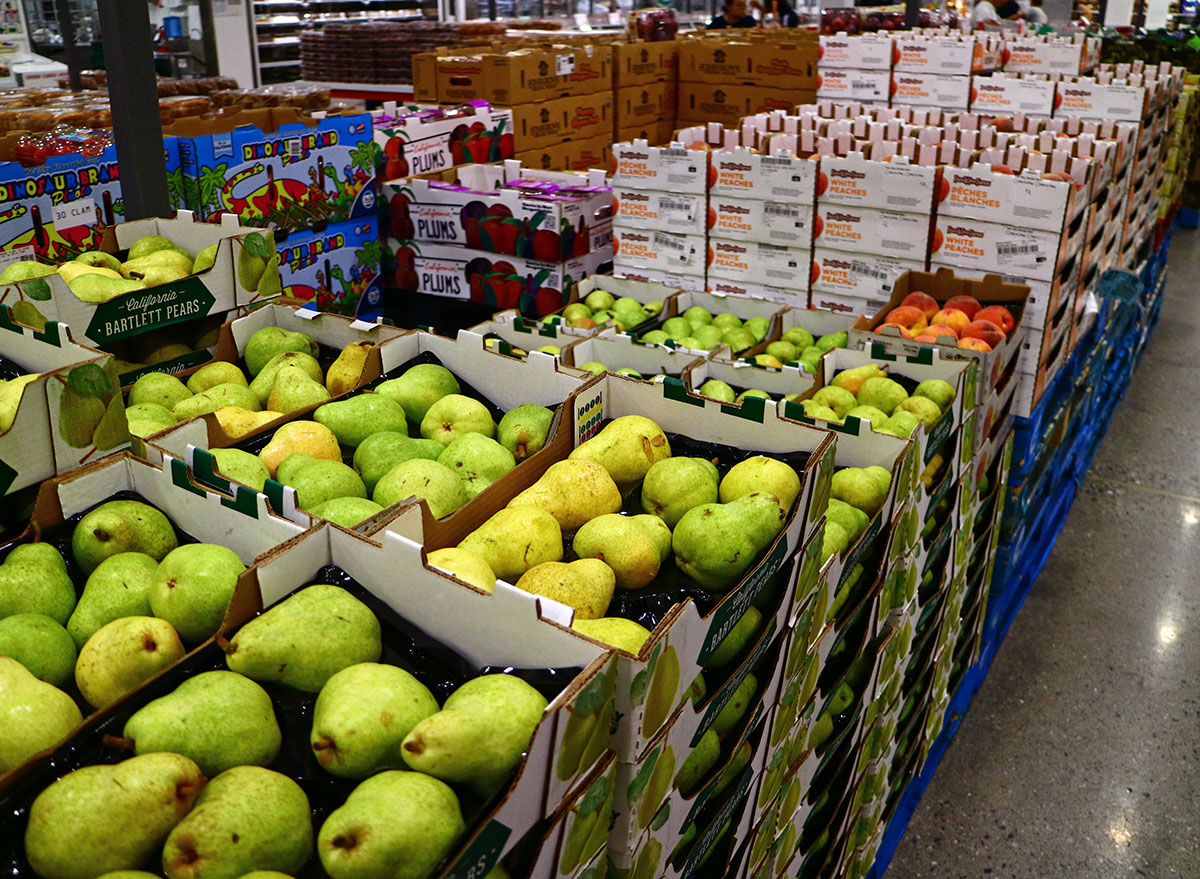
923 301
968 305
985 331
909 317
953 318
999 315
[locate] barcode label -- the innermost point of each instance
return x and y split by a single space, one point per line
776 161
670 243
861 268
775 209
1015 249
293 147
677 208
783 276
674 153
783 191
683 179
773 249
897 245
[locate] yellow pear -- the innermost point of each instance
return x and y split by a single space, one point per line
10 399
236 421
69 271
345 372
309 437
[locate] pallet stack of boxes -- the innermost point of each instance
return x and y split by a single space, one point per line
645 91
937 70
856 68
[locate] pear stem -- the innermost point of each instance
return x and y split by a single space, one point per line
120 742
226 647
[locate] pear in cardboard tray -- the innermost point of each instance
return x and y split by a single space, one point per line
922 407
121 526
205 259
247 818
95 287
346 372
760 473
33 579
307 638
674 485
69 271
884 394
242 467
269 341
35 715
307 437
217 718
216 397
586 585
237 422
869 414
941 392
40 644
626 448
158 387
478 460
321 481
479 737
119 587
145 419
465 565
265 380
118 815
455 415
149 244
515 539
380 452
354 419
123 655
216 373
852 379
864 488
99 258
362 715
436 484
193 587
523 430
419 388
617 632
393 824
24 270
346 511
715 544
292 390
623 544
573 492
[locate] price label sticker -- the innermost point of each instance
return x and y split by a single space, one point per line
17 254
81 212
564 64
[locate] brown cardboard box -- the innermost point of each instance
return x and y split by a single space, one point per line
542 124
706 102
768 63
640 63
654 133
524 75
643 105
575 155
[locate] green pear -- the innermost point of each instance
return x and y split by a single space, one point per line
217 718
145 419
860 489
523 430
884 394
708 336
659 533
829 341
419 388
835 541
699 763
739 639
247 818
265 380
149 244
322 481
573 492
514 540
355 419
292 465
346 511
40 644
759 326
24 270
624 545
737 706
715 544
626 447
717 390
217 373
242 467
193 587
941 392
395 824
740 339
168 264
215 398
838 399
205 259
673 486
33 579
99 258
119 815
306 639
478 461
97 288
269 341
727 320
677 327
870 414
439 486
480 736
362 715
118 587
36 714
760 473
601 299
851 519
616 632
158 387
901 424
593 367
697 315
922 407
123 655
586 585
293 390
455 415
654 337
783 351
380 452
852 380
465 565
799 337
129 874
813 409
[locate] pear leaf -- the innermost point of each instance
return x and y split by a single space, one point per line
661 818
595 796
591 697
638 786
257 245
90 380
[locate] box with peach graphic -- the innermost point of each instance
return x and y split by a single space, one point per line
870 230
659 251
638 165
862 51
846 84
858 181
654 210
786 223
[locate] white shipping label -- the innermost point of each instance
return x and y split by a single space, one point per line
81 212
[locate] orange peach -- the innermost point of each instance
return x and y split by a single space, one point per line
1002 169
934 331
923 301
985 331
1002 123
904 331
973 344
999 315
968 305
908 316
952 318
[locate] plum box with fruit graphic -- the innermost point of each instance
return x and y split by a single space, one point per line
335 269
279 167
535 287
420 140
540 215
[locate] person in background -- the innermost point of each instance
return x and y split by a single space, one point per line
1035 14
784 14
986 12
735 14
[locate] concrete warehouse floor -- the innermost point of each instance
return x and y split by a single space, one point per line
1080 754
